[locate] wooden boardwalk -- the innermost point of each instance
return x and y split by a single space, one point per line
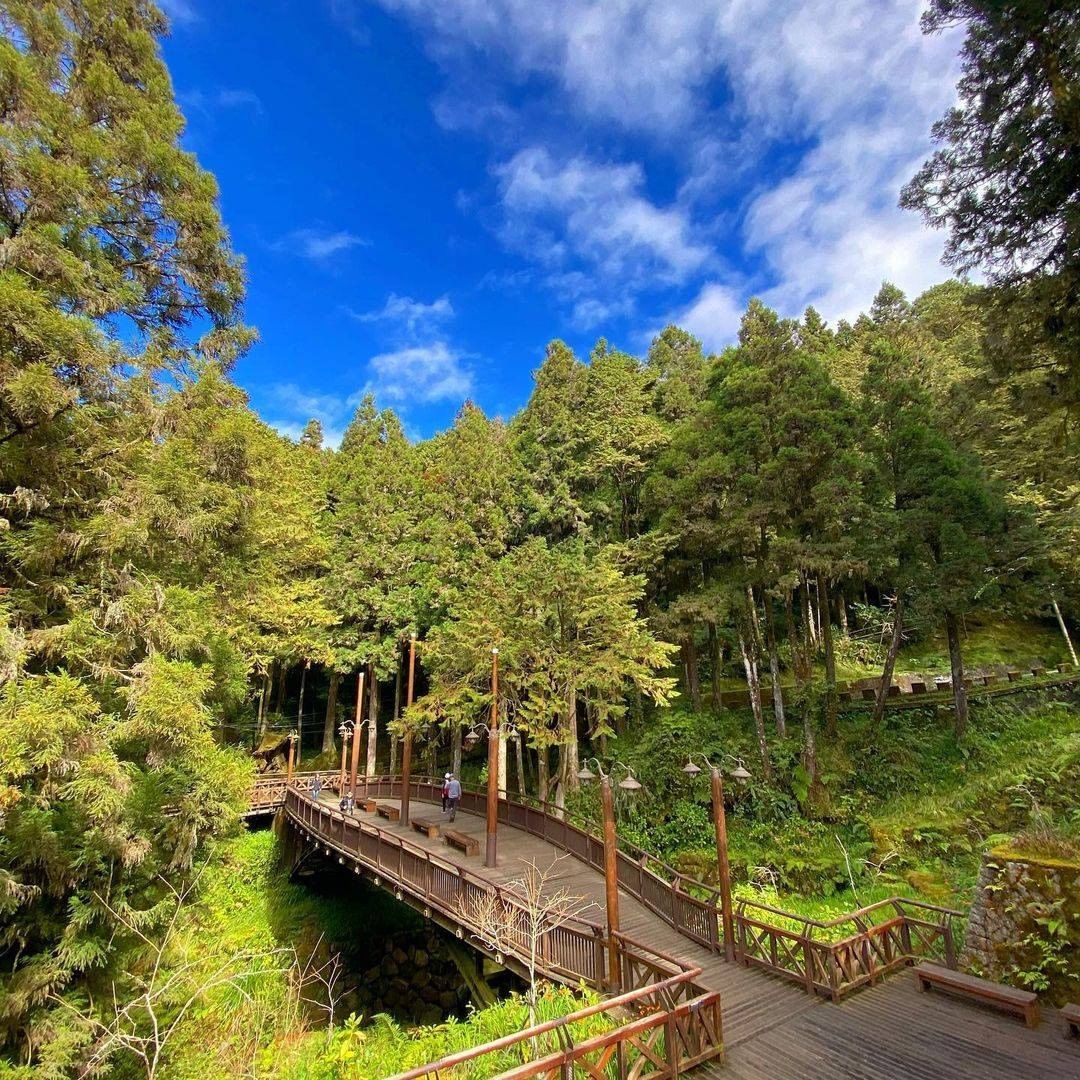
772 1027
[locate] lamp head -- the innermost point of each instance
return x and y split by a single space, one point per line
630 783
691 769
586 774
739 773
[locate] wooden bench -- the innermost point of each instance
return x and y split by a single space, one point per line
470 845
391 813
1007 998
369 806
431 828
1070 1017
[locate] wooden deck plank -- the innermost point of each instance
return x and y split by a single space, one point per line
774 1030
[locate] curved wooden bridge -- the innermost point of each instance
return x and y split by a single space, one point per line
787 1003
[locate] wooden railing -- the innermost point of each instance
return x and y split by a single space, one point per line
672 1029
268 792
572 951
821 956
827 961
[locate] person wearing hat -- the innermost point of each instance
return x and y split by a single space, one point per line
445 792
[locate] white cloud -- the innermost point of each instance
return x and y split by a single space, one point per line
318 244
790 129
713 316
831 232
208 101
600 210
408 314
420 373
180 12
289 407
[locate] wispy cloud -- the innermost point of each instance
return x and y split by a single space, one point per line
318 245
784 131
420 373
209 101
598 212
419 364
180 12
407 314
289 407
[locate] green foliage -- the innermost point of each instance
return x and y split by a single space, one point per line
385 1048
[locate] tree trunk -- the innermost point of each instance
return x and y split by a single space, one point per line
543 777
300 705
569 757
841 610
750 664
956 661
808 613
1064 631
821 610
455 750
283 678
504 764
690 666
809 747
890 660
373 723
774 668
398 677
830 658
715 660
519 760
262 709
793 639
330 723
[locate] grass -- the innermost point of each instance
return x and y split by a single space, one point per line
247 904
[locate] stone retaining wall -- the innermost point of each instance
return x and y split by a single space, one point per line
1025 918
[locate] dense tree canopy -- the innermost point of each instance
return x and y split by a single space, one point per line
173 572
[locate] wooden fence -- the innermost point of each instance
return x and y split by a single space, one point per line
672 1029
676 1024
830 958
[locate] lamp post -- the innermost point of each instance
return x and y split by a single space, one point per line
611 863
720 827
491 850
406 750
358 724
344 731
292 758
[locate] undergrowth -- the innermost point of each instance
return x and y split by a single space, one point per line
901 811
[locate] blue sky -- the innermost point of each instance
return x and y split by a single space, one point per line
428 191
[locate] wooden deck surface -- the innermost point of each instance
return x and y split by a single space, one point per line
772 1028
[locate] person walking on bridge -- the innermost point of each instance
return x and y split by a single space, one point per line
316 787
453 795
445 792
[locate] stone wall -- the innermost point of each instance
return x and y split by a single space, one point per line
1025 918
413 978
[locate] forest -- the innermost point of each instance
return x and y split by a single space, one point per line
815 504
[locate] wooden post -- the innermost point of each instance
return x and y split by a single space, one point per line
611 880
344 750
300 705
406 751
357 732
292 757
490 853
722 863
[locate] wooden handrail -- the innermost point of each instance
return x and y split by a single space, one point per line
310 815
689 915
